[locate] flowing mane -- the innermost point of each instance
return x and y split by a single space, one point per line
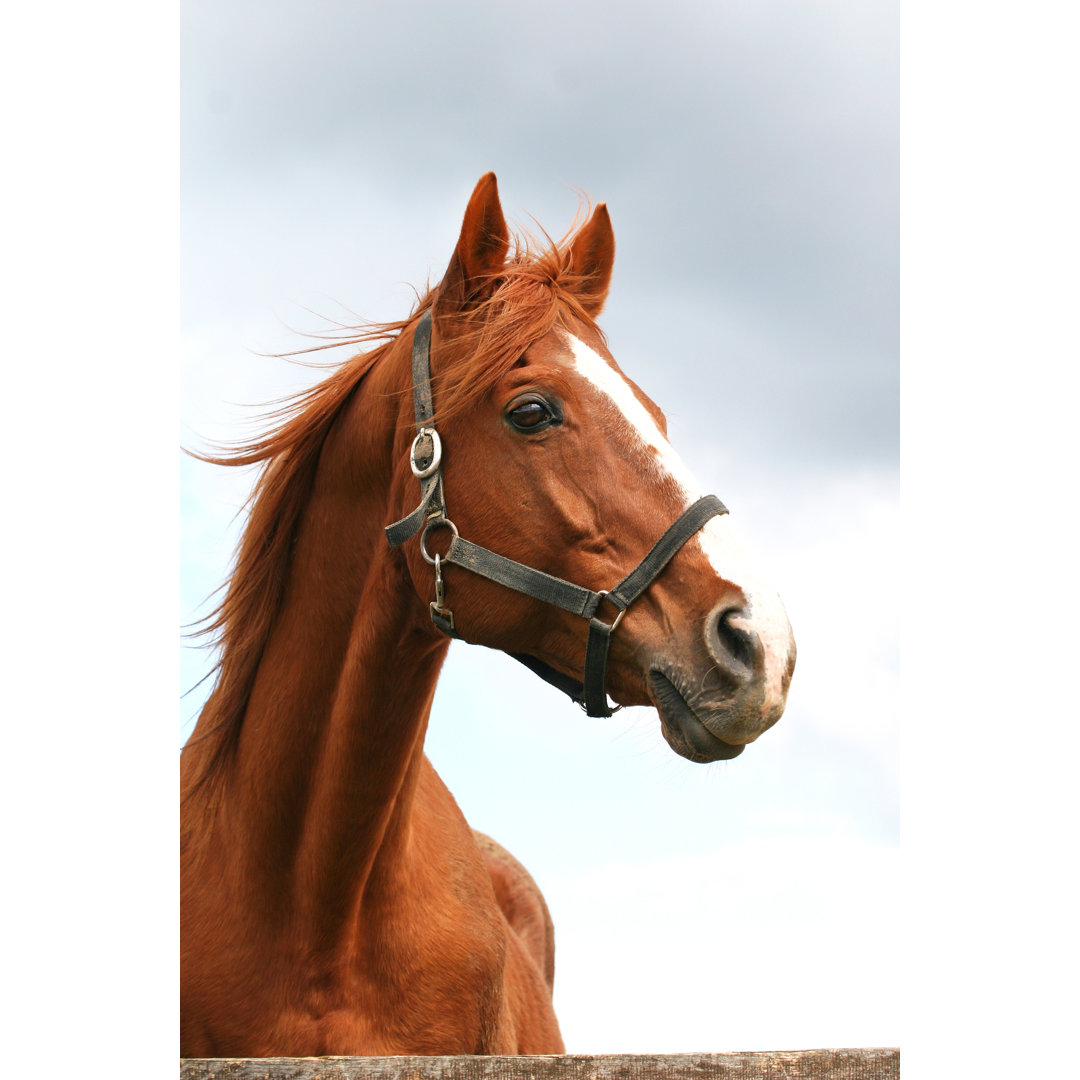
536 290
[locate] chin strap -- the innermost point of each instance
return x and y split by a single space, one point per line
425 460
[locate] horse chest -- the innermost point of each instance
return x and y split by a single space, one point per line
402 985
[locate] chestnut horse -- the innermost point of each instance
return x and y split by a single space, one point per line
333 898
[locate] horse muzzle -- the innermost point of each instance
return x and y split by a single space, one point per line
715 700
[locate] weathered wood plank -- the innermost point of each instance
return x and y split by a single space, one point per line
862 1064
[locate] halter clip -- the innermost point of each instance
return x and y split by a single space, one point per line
441 615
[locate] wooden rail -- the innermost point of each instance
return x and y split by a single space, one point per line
865 1064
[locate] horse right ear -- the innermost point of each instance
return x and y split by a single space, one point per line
480 252
592 255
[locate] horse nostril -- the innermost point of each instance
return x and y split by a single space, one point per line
735 642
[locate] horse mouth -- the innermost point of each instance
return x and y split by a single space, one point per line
684 731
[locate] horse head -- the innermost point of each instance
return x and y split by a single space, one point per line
553 459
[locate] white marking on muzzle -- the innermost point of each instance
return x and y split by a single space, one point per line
720 539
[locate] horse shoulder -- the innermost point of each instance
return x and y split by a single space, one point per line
522 903
502 914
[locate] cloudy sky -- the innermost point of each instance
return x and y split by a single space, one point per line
748 154
753 142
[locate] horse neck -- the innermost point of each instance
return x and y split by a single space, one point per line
319 795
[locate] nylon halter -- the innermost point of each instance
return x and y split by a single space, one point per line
425 460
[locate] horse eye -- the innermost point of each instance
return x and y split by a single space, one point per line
531 415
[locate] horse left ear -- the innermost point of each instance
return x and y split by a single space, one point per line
481 248
592 255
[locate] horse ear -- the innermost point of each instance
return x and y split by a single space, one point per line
481 248
592 255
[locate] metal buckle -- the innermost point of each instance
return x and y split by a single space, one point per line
618 618
436 454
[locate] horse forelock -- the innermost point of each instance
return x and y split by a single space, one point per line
534 292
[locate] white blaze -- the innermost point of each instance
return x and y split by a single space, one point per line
720 540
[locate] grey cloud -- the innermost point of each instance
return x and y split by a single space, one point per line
748 154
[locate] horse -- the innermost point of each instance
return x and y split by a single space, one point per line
484 470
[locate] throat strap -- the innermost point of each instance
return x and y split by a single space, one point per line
426 464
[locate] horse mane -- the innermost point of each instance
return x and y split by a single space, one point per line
531 294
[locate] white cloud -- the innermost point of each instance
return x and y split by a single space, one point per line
842 591
787 943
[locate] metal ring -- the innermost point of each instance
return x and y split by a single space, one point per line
618 618
435 525
436 453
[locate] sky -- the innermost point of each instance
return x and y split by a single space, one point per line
749 157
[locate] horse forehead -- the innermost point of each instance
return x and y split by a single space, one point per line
596 367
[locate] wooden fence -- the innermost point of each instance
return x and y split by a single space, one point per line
865 1064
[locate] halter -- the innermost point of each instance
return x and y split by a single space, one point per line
425 460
